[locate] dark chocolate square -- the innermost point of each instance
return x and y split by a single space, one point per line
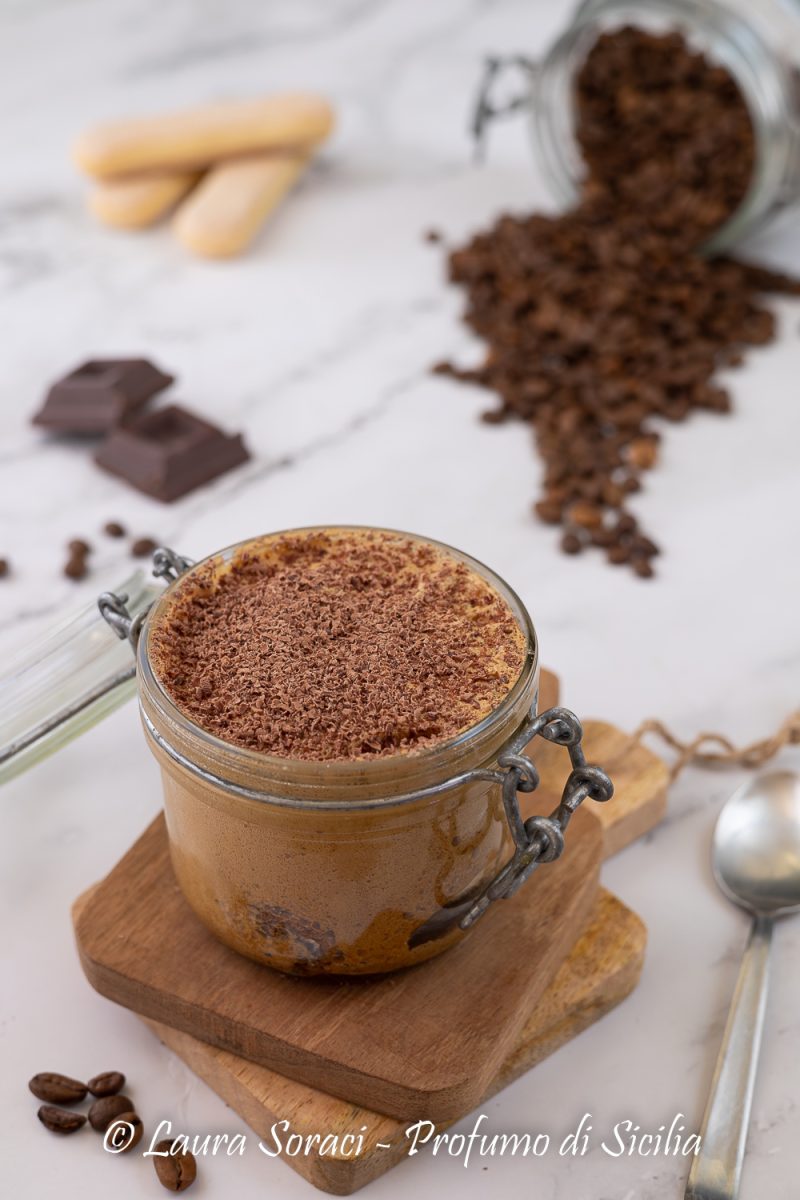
169 452
99 394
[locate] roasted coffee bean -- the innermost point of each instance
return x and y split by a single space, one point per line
60 1120
626 524
5 567
78 548
571 543
590 516
143 546
642 545
57 1089
114 529
643 453
176 1172
612 494
124 1132
104 1110
603 537
76 568
643 568
107 1084
618 554
548 511
603 320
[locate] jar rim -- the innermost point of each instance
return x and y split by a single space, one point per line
395 777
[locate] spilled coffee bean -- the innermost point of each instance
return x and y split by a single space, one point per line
107 1084
57 1089
176 1172
106 1109
124 1132
60 1120
143 547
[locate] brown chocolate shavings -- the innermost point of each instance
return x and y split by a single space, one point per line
337 645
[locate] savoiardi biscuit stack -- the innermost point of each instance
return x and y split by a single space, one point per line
220 169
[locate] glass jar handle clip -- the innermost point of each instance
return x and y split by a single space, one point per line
539 839
486 109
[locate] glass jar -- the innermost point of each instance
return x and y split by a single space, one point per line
344 866
320 867
759 43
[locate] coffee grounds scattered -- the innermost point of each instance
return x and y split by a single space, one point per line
606 319
337 645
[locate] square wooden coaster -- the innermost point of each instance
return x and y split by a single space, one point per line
602 969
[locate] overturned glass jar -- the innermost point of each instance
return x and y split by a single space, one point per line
759 44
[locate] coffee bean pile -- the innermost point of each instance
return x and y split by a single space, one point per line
111 1114
607 320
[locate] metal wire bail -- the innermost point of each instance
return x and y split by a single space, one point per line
540 839
113 606
486 109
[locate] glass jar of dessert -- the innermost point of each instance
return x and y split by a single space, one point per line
342 717
757 44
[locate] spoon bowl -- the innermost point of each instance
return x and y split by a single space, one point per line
756 850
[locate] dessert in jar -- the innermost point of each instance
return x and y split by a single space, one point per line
327 707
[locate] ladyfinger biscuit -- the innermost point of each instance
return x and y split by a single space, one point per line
230 204
137 202
200 136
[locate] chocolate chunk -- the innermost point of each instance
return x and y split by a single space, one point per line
5 567
170 452
97 395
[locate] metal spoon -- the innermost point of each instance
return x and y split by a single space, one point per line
756 862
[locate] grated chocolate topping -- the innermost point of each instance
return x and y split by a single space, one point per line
338 644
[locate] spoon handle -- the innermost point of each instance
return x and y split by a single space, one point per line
717 1168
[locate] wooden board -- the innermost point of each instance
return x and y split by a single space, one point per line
640 781
422 1042
602 969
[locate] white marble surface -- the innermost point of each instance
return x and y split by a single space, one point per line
318 346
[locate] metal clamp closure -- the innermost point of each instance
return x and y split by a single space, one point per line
539 839
167 565
486 108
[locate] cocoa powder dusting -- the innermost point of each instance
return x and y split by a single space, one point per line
605 321
338 644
